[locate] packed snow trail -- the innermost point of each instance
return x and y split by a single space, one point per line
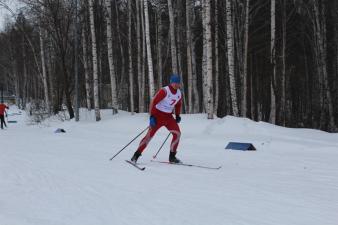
68 179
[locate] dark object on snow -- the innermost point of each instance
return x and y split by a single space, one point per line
240 146
135 157
59 130
12 121
173 159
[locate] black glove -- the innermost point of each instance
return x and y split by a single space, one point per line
178 119
152 121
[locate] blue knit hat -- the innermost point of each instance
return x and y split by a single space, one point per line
175 78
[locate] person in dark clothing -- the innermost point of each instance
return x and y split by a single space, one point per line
3 108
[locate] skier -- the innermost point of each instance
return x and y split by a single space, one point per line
3 108
166 100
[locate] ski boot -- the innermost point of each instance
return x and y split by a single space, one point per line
173 159
135 157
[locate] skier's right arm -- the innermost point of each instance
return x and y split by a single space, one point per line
160 95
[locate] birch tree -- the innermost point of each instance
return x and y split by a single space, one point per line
272 118
189 56
196 95
111 57
149 56
204 58
130 67
140 58
216 84
95 69
245 55
44 72
231 57
172 38
159 46
282 110
86 68
209 86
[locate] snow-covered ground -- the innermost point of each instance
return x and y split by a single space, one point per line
68 179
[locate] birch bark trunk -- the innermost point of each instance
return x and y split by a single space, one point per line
159 48
272 118
231 57
95 66
189 57
172 38
245 55
44 73
130 67
149 55
209 89
111 57
86 69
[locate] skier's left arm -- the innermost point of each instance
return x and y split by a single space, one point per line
178 107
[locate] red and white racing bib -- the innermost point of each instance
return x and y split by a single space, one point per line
168 103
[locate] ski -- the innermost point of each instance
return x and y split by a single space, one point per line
186 164
135 165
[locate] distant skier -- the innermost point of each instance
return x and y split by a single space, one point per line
3 108
166 101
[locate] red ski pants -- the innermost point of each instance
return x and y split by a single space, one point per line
170 123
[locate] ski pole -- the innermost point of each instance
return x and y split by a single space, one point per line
128 144
154 157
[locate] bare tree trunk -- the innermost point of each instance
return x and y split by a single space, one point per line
86 69
204 58
308 99
123 83
149 56
144 57
329 102
159 48
49 59
252 91
209 87
25 82
44 73
16 76
272 118
111 58
196 98
231 57
172 38
95 69
131 80
189 57
216 84
245 66
179 53
283 109
320 32
140 70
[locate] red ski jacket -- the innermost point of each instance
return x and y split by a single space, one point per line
160 95
3 107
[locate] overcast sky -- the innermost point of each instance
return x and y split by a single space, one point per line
13 4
